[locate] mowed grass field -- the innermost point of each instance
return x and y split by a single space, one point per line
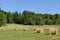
8 33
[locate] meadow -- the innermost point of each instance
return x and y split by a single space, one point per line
8 33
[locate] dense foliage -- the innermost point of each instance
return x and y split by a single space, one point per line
3 18
29 18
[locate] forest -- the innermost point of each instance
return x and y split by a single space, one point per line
29 18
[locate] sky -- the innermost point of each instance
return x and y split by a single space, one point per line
37 6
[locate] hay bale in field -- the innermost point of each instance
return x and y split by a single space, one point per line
39 30
15 29
35 29
52 31
25 29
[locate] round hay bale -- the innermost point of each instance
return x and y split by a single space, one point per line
15 29
53 31
34 29
39 30
25 29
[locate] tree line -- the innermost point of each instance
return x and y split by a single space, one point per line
29 18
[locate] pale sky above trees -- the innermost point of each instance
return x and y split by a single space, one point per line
38 6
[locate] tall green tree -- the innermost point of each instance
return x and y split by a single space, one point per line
27 17
10 18
2 18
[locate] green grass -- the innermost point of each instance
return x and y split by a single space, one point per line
25 35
